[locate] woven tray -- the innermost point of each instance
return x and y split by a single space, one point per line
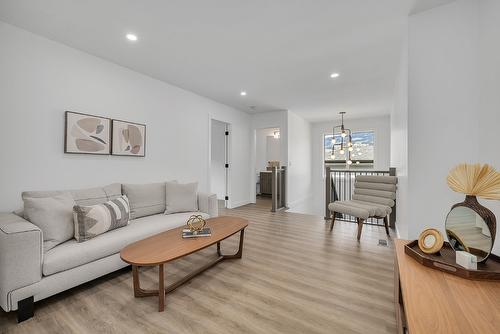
445 261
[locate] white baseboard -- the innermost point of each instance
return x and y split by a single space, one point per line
240 203
397 232
299 201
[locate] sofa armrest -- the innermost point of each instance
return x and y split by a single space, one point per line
208 203
21 255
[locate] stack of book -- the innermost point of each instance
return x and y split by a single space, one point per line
187 233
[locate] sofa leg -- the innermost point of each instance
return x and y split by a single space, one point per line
25 309
333 220
360 227
386 224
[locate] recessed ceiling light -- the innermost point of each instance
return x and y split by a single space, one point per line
243 93
131 37
334 75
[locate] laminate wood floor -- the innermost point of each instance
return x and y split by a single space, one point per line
295 277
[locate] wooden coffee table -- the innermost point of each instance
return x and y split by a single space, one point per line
168 246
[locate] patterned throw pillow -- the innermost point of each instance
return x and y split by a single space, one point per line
90 221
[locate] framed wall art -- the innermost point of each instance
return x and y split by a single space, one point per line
128 138
87 134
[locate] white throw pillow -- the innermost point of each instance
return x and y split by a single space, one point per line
53 215
181 197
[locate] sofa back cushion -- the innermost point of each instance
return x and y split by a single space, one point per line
91 221
98 195
181 197
145 199
53 215
88 196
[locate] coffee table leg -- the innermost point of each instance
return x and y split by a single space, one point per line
238 254
161 289
240 249
137 284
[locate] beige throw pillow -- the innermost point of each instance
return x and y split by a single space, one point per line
145 199
53 215
181 197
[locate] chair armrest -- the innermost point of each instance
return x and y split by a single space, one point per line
208 203
21 255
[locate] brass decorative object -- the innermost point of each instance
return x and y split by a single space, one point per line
196 223
430 241
470 226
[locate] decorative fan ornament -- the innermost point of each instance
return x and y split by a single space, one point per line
475 180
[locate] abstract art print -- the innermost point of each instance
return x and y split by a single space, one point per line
87 134
128 139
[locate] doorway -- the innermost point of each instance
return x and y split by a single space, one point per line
267 154
219 161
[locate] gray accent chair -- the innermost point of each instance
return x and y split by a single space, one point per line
374 197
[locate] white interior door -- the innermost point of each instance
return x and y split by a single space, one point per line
219 162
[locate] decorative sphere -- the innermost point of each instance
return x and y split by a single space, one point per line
196 223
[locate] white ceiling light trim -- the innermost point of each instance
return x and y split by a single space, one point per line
132 37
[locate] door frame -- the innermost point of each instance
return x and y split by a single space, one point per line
228 145
253 158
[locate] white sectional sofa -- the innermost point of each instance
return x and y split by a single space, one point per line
28 274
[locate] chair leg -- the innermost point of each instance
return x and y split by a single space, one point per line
360 226
333 220
386 224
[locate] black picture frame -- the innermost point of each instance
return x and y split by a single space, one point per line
67 132
113 139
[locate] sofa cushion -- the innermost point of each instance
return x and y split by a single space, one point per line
72 254
145 199
93 220
98 195
53 215
181 197
87 196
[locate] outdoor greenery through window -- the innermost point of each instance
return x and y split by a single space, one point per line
363 148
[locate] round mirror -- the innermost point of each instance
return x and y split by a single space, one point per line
429 241
467 231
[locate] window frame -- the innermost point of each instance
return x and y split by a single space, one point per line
343 161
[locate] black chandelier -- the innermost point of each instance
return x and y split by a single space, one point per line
346 146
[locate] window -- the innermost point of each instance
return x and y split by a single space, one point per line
363 147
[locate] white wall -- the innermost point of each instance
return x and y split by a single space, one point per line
299 187
381 128
399 140
453 104
273 151
40 79
218 159
266 148
489 97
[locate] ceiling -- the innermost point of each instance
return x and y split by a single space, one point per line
280 52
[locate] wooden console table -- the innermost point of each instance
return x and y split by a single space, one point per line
431 301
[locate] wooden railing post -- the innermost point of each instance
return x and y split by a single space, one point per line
274 189
328 191
283 188
392 216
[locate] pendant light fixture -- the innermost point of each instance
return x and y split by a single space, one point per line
346 146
